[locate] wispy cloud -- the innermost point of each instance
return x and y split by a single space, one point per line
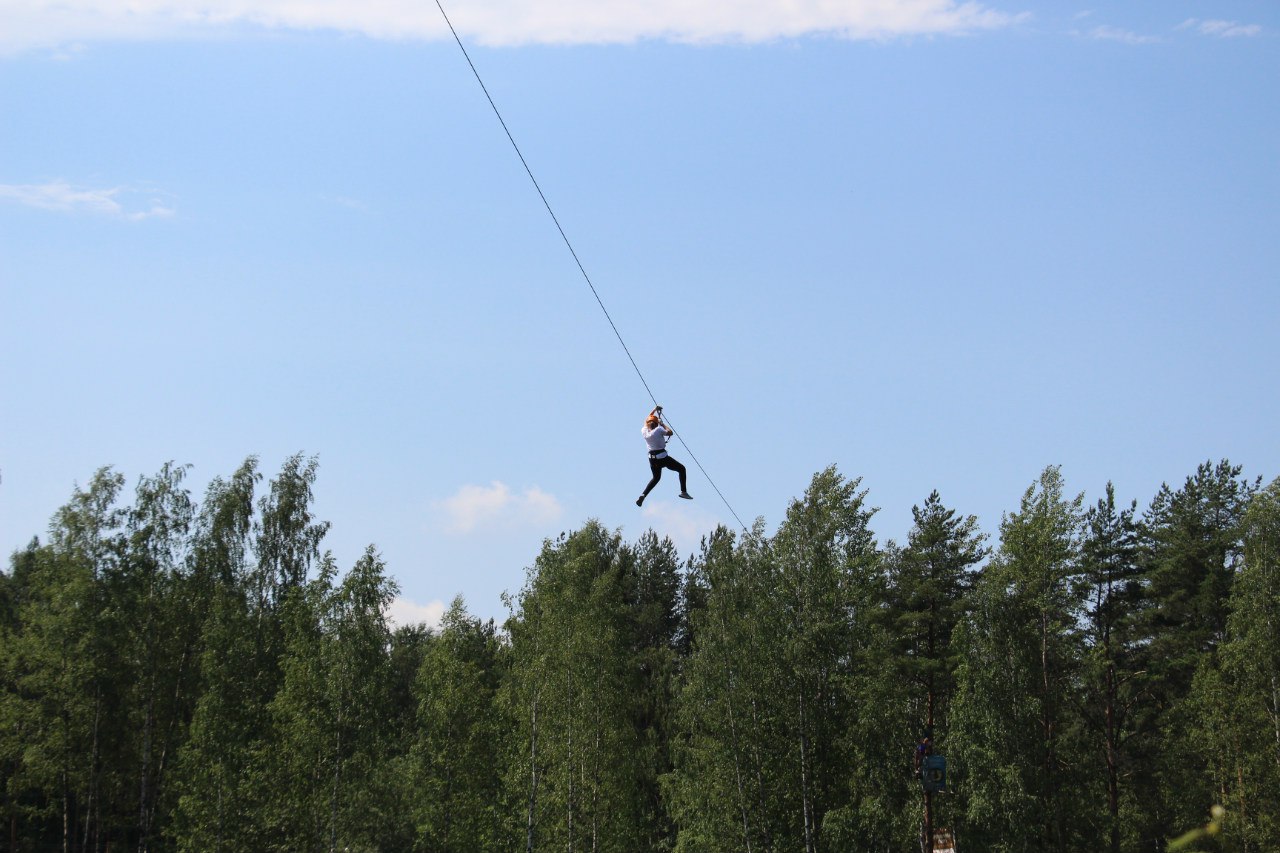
1220 29
475 507
405 611
684 524
1109 33
62 197
37 24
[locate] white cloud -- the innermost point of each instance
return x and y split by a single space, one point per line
1108 33
495 505
1221 29
38 24
61 197
683 523
404 611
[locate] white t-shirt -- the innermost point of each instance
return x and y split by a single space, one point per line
656 438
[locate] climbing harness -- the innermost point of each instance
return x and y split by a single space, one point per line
581 268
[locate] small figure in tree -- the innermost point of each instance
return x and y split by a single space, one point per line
923 749
655 434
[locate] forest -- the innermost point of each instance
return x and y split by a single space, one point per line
199 675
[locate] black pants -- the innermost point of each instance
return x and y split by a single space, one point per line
656 466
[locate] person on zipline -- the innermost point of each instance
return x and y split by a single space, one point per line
655 434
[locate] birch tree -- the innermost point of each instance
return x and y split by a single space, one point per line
1016 731
456 756
574 763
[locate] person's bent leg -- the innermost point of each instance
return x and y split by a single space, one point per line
681 471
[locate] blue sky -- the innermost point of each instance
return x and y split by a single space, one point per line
939 245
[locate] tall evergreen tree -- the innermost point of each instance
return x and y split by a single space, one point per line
1192 549
927 586
1114 681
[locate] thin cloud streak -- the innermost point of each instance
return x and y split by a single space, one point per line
62 197
1221 29
1108 33
50 24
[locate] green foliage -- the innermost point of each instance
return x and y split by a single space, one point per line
456 755
576 762
724 789
1113 682
201 676
1016 730
1189 839
767 705
1235 695
1192 541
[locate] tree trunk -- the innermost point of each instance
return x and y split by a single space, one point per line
89 828
1113 775
805 804
766 835
148 724
533 777
571 766
337 775
737 775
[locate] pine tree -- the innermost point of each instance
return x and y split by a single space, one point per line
927 584
1192 549
1113 678
927 587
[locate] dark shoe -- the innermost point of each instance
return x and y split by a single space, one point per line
686 496
640 501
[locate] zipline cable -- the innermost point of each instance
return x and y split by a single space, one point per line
572 252
745 529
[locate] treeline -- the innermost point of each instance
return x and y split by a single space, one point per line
202 677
